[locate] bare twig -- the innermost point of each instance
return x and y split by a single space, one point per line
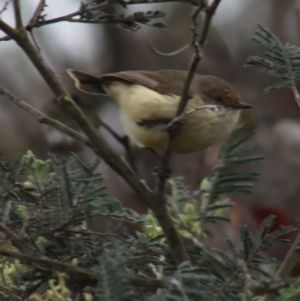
64 129
290 259
42 118
18 15
36 22
173 53
188 112
5 5
37 13
287 265
163 172
198 46
123 140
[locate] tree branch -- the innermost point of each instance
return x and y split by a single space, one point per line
37 14
18 15
42 118
163 171
46 262
288 264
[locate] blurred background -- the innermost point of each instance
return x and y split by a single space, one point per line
101 48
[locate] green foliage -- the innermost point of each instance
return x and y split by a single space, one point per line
280 60
52 210
291 293
226 181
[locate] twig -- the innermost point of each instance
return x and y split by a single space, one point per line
4 8
287 265
173 53
88 233
35 21
123 140
163 172
290 259
18 241
37 14
64 129
18 15
42 118
163 169
188 112
46 262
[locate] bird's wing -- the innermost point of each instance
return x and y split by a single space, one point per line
164 81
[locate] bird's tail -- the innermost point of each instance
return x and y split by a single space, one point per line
86 82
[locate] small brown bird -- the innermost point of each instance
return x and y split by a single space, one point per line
148 102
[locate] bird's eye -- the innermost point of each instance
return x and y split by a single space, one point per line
219 99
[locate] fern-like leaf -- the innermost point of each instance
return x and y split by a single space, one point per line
280 60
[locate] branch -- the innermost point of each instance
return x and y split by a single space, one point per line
287 265
37 14
18 15
18 241
191 111
123 140
42 118
46 262
5 5
173 53
163 172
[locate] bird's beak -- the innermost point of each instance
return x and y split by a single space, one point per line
240 105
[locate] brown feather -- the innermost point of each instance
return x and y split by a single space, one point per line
86 82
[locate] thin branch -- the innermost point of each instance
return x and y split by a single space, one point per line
290 259
46 262
37 14
18 241
64 129
173 53
36 21
5 5
70 17
18 15
42 118
188 112
288 264
163 171
123 140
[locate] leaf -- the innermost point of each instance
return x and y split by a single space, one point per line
280 60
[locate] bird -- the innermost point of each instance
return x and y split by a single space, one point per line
148 102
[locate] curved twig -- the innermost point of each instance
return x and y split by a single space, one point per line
173 53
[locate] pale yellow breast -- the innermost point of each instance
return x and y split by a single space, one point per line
200 130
